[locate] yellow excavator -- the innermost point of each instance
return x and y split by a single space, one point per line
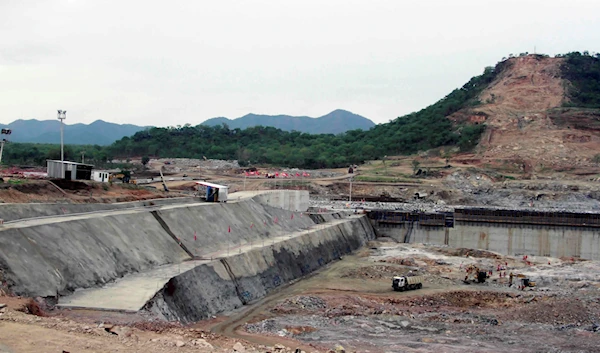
523 280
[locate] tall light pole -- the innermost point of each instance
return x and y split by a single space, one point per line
62 115
4 132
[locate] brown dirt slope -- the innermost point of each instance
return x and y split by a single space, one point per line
527 129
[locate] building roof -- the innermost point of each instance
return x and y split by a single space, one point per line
68 162
217 186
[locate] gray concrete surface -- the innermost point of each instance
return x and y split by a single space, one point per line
55 255
127 294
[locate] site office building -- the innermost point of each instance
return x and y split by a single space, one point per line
69 170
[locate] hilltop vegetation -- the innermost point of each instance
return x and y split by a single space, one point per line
583 72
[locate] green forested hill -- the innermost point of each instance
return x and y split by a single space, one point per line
422 130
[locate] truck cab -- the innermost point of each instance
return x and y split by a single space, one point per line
398 282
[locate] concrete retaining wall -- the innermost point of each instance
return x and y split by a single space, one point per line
227 284
529 239
510 239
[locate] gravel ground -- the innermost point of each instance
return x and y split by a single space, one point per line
450 316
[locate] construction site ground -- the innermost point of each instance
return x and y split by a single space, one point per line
350 303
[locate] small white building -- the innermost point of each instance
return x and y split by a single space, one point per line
214 192
102 176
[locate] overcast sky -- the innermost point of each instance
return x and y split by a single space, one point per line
174 62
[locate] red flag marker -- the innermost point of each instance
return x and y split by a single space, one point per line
292 216
195 238
229 229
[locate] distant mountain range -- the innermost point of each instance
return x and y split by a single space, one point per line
104 133
336 122
48 131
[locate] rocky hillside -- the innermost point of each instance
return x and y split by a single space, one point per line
528 129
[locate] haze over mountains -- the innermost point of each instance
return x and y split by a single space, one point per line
104 133
48 131
336 122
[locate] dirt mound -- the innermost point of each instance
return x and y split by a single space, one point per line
460 299
463 252
300 303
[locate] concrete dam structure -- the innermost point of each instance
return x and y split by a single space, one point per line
183 261
507 232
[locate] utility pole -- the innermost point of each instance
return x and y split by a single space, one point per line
1 149
82 157
62 115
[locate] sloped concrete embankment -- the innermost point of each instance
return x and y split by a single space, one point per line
229 225
16 211
229 283
55 256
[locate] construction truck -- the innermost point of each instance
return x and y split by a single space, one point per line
402 283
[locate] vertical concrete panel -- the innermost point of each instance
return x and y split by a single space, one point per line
509 242
544 242
482 242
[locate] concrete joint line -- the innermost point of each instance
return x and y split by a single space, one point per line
236 285
165 226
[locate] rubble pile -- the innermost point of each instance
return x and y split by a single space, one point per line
373 272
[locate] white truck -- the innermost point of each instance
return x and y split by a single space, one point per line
402 283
